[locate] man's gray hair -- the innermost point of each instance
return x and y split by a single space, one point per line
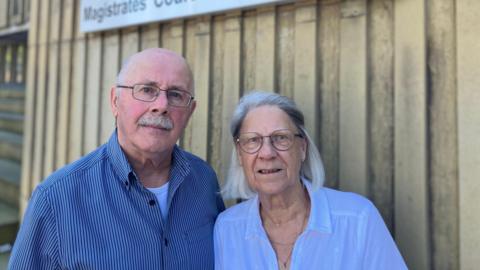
236 185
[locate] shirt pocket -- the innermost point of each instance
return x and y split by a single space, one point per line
200 246
204 232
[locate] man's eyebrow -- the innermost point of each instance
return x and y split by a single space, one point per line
153 83
149 83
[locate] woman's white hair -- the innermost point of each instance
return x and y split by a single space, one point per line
236 185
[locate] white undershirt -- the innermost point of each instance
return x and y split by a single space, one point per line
161 193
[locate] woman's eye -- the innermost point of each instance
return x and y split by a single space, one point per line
279 137
253 140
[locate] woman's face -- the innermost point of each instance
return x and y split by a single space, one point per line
270 171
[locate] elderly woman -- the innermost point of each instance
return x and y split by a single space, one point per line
289 221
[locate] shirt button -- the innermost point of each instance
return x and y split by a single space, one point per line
151 202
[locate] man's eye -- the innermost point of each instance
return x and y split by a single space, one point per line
175 94
148 90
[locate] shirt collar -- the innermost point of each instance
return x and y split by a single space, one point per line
179 168
319 219
119 161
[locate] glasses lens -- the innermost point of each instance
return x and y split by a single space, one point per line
177 97
250 142
282 140
145 92
149 93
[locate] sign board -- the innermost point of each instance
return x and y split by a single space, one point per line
96 15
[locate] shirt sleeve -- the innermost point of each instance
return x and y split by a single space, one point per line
380 251
36 244
217 247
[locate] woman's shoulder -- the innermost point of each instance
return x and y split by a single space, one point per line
345 203
237 212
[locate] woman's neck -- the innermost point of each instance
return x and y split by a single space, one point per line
285 207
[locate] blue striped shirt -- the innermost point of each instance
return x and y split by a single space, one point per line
95 214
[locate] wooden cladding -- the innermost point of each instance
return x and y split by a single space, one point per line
388 88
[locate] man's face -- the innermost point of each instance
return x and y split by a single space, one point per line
136 136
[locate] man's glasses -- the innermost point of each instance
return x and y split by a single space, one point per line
281 140
149 93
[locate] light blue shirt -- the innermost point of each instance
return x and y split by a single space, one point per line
344 231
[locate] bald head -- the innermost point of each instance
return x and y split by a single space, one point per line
156 56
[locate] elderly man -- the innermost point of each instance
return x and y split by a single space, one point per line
138 201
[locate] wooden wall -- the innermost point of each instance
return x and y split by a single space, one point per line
389 89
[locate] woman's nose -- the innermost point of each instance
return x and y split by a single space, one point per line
266 149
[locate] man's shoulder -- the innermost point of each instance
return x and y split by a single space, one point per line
76 170
196 162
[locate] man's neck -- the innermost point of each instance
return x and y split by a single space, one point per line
152 169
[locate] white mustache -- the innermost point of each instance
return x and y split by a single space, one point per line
156 121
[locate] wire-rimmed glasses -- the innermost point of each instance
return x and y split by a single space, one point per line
149 93
281 140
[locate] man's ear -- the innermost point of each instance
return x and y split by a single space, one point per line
114 101
192 107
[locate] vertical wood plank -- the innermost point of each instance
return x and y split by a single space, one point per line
249 52
30 101
150 36
410 134
172 36
52 89
443 134
92 99
199 119
305 79
329 55
77 99
265 49
37 170
217 95
130 42
468 106
65 82
353 97
189 52
285 50
381 110
231 85
110 67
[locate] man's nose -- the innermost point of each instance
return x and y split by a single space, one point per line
160 104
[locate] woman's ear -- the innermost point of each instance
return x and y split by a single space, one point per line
304 149
239 155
